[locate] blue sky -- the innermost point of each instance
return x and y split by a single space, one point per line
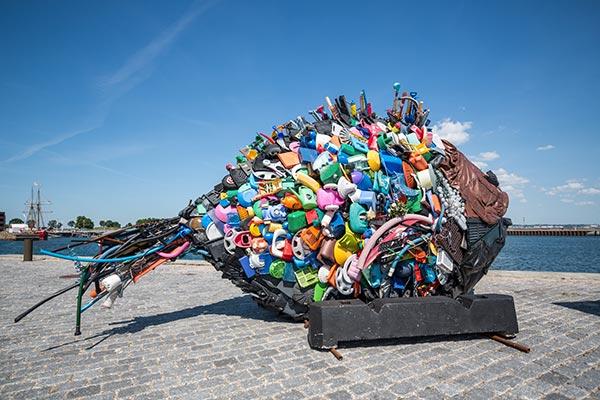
124 110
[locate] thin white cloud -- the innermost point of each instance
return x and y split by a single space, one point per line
573 191
572 187
34 148
512 183
480 164
545 148
144 57
585 203
455 132
482 159
135 70
489 155
86 161
102 153
590 191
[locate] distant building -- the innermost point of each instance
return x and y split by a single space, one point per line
18 228
2 220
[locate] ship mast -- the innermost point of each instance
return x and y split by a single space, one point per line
35 214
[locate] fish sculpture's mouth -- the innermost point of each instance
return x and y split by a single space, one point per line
350 205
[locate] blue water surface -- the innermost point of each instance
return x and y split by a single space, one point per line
521 253
550 253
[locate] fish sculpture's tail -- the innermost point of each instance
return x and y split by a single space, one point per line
124 257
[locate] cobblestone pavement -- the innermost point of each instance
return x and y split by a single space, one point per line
185 333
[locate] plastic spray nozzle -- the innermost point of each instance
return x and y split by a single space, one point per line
110 300
332 108
112 284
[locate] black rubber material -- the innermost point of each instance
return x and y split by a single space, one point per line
268 292
332 322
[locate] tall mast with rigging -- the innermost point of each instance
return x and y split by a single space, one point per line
35 214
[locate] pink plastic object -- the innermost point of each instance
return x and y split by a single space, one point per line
176 252
221 212
418 131
372 142
394 233
353 270
370 244
243 239
328 197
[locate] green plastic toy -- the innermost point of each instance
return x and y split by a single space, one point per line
306 277
277 268
331 173
413 204
320 289
296 221
257 209
307 198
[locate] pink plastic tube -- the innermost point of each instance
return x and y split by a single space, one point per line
408 218
176 252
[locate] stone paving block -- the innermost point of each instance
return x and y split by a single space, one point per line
206 340
556 396
590 380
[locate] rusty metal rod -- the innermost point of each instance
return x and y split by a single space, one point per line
510 343
336 353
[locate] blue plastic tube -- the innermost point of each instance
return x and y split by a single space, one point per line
93 301
101 260
183 231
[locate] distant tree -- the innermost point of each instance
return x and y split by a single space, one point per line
145 220
111 224
129 224
16 221
59 225
53 224
82 222
102 223
71 224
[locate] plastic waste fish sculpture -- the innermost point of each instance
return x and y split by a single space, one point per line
348 205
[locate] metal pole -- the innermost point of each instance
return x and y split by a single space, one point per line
510 343
82 279
28 250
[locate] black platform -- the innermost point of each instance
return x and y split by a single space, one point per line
335 321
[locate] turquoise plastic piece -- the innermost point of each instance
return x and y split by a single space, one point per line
201 209
358 218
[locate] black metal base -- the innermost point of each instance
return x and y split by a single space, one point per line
335 321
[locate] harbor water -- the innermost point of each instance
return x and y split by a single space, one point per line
521 253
